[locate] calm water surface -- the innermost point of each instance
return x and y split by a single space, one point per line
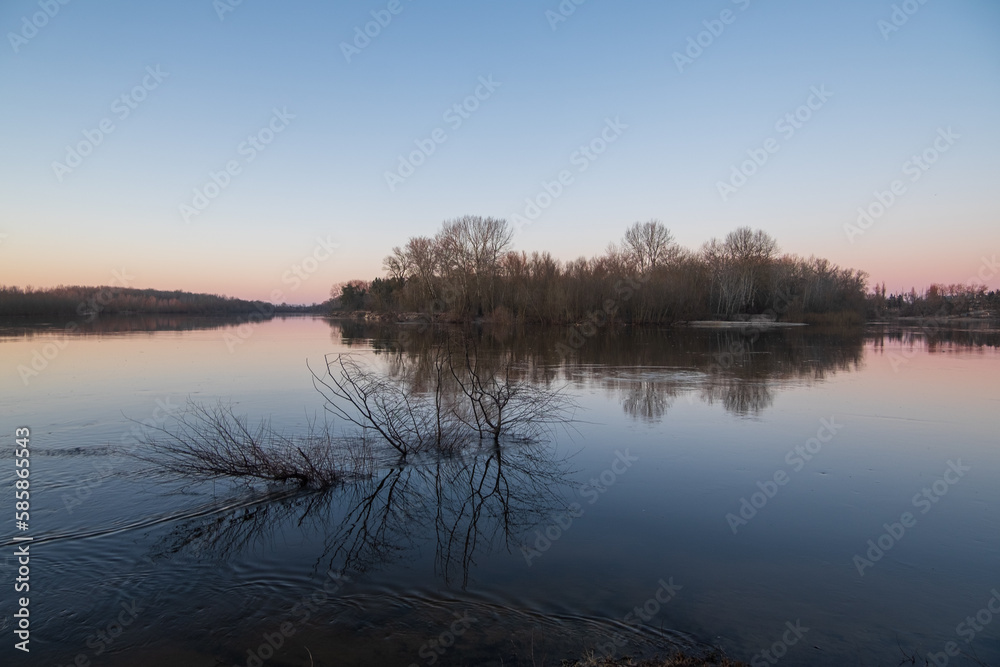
737 477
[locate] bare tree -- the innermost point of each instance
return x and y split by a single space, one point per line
423 259
746 244
471 248
752 252
649 245
738 266
501 405
397 265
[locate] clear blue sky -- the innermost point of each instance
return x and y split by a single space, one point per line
324 173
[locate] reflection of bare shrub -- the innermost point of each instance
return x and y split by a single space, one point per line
465 505
213 442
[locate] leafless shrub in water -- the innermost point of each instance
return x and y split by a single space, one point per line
408 421
499 404
486 401
211 442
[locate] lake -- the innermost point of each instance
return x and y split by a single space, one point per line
830 497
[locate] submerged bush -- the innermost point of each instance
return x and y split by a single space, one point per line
211 442
470 398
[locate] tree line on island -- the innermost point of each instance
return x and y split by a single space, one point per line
469 270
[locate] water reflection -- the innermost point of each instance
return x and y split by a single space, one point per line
230 569
939 336
17 327
471 504
647 399
648 368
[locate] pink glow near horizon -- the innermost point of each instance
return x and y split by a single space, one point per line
292 282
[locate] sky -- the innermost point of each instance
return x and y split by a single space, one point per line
270 150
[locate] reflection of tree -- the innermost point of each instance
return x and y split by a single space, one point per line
470 504
739 396
647 400
939 335
645 394
648 368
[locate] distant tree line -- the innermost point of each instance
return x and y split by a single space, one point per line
954 300
469 270
89 302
